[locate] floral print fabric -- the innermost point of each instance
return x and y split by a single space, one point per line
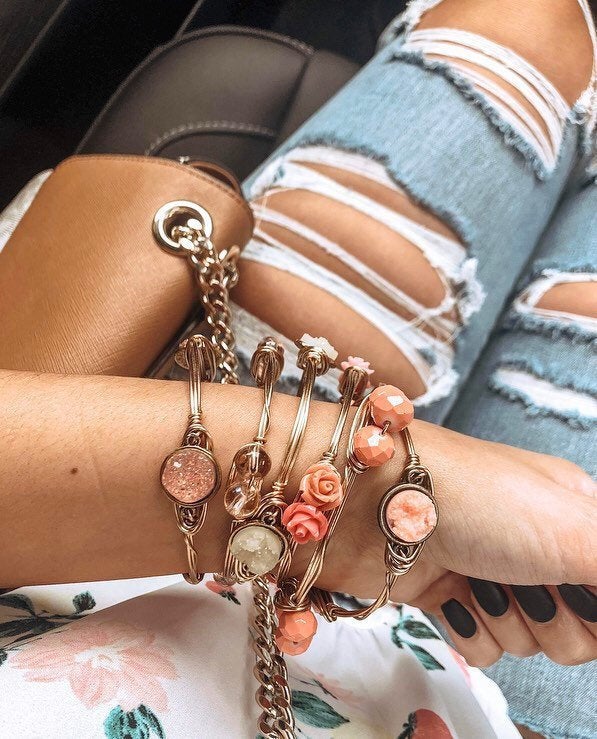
157 658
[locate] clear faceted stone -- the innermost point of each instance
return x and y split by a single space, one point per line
242 499
258 548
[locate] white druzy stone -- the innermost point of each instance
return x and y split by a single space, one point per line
257 547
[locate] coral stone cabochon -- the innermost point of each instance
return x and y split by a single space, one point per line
190 475
408 514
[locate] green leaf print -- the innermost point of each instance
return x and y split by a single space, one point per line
83 602
140 723
312 711
17 601
417 629
3 656
427 660
36 623
26 627
395 638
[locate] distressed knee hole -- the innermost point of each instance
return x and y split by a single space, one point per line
564 302
361 263
543 393
490 51
361 236
577 298
532 30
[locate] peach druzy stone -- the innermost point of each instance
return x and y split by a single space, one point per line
298 625
390 405
373 448
189 475
411 515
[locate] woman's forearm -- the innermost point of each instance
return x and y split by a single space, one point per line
80 497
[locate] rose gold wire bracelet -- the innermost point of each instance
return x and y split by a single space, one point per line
252 463
403 545
190 475
352 385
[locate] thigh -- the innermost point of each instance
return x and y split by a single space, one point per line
399 216
534 386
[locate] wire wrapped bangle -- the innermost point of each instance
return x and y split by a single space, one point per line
252 463
190 475
405 536
258 544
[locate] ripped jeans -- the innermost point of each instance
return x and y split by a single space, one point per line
432 149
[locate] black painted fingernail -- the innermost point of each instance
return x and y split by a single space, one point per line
535 601
459 618
580 600
492 597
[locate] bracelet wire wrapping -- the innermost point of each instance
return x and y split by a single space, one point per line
399 556
353 384
266 367
314 362
195 354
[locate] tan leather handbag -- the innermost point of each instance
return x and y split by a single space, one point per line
83 273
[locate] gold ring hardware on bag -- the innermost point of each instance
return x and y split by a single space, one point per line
180 215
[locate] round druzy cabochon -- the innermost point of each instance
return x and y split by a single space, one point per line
189 475
258 547
408 514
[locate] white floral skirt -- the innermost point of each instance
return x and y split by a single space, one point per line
140 659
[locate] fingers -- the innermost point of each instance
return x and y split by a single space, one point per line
503 619
561 635
468 631
582 600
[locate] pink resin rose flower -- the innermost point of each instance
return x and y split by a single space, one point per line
321 486
304 522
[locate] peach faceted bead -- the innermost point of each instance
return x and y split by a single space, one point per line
287 646
390 405
372 447
297 625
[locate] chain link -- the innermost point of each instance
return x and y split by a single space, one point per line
216 274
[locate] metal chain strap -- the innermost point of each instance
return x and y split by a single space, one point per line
273 695
216 274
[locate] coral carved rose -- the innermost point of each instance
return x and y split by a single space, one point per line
321 487
304 522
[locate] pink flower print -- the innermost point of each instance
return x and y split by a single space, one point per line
102 662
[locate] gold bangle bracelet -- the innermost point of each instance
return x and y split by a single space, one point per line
401 551
190 475
252 463
259 544
293 594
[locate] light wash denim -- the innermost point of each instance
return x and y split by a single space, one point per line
524 218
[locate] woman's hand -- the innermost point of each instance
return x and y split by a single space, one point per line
506 516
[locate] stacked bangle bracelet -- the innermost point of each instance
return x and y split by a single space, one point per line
266 530
190 475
